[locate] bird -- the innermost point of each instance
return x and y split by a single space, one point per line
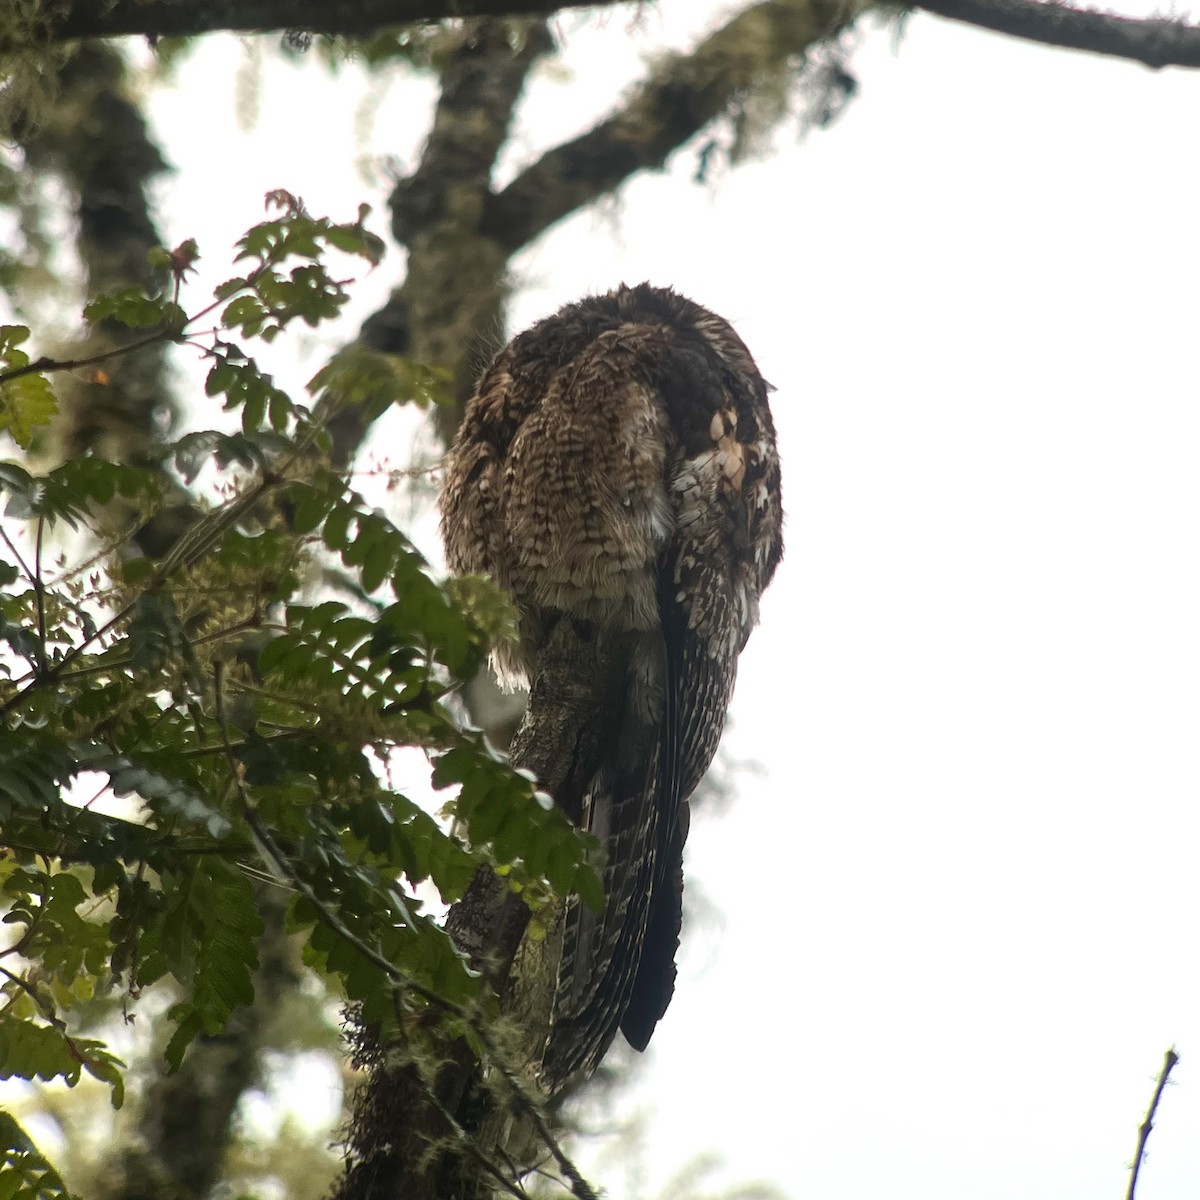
616 466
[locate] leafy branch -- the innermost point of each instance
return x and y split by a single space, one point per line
234 709
467 1017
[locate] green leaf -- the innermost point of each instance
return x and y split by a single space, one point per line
157 634
32 1050
209 941
188 1027
220 378
246 313
372 381
196 450
377 565
134 308
33 771
24 1170
589 887
12 336
19 485
487 816
74 491
310 507
513 836
337 525
102 1065
26 404
164 791
560 872
230 287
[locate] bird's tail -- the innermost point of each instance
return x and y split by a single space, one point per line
617 966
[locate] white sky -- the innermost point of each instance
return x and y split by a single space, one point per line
960 907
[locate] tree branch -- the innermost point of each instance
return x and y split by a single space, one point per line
683 94
45 365
96 140
1155 42
353 18
460 238
455 284
1169 1061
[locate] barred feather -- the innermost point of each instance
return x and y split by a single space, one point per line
617 464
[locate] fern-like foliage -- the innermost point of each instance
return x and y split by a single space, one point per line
246 719
27 1172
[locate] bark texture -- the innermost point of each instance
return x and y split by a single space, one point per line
72 19
96 140
423 1131
1156 42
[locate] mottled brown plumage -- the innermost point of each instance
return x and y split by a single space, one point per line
617 464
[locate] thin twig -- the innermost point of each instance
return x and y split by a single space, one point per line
99 556
44 1006
39 590
119 664
16 554
580 1188
18 947
45 364
183 554
204 751
1169 1061
168 333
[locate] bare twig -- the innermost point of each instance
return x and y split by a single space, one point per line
183 554
44 364
288 736
1169 1061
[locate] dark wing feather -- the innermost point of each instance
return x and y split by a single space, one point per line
601 951
698 687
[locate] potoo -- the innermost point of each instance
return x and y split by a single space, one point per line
616 466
